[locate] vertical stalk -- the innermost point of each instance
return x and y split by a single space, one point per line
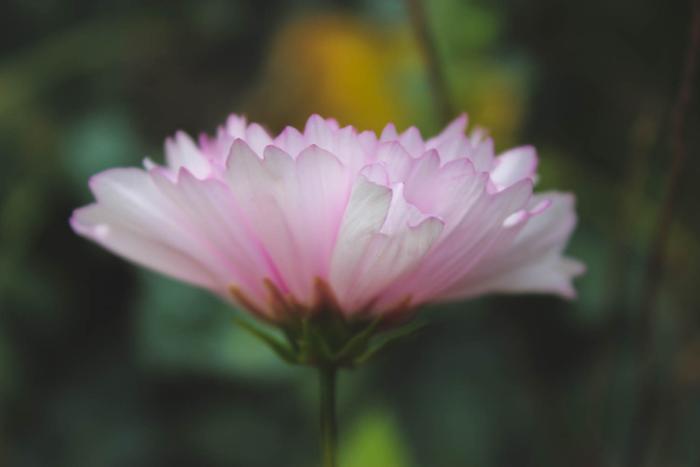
329 427
655 396
436 75
679 154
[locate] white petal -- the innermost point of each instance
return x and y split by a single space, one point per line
236 126
101 225
319 132
387 258
257 138
402 214
514 165
183 152
291 141
376 173
378 244
131 213
365 214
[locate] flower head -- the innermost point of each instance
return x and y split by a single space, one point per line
336 219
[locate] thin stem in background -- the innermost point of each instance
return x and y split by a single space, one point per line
645 132
679 155
436 76
653 389
329 426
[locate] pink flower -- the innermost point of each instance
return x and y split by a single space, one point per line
333 217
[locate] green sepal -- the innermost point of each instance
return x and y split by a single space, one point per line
384 341
359 342
330 341
278 346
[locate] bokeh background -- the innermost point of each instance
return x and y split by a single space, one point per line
103 364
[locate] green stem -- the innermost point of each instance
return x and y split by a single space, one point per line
428 48
329 428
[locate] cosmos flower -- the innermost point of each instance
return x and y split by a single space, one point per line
336 219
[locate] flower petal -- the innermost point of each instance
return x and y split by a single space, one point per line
387 258
103 227
319 132
396 160
181 151
514 165
364 216
462 245
412 141
454 131
294 207
533 262
257 138
225 233
134 220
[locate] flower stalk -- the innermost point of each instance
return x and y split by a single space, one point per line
329 423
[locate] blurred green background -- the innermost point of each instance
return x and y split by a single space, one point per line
103 364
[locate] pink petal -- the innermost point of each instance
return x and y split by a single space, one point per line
533 262
389 133
463 244
324 191
441 191
412 141
211 213
396 160
482 155
454 131
294 208
379 219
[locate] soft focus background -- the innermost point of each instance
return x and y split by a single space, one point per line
103 364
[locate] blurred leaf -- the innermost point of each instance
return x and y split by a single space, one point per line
374 441
97 142
86 47
465 26
7 369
